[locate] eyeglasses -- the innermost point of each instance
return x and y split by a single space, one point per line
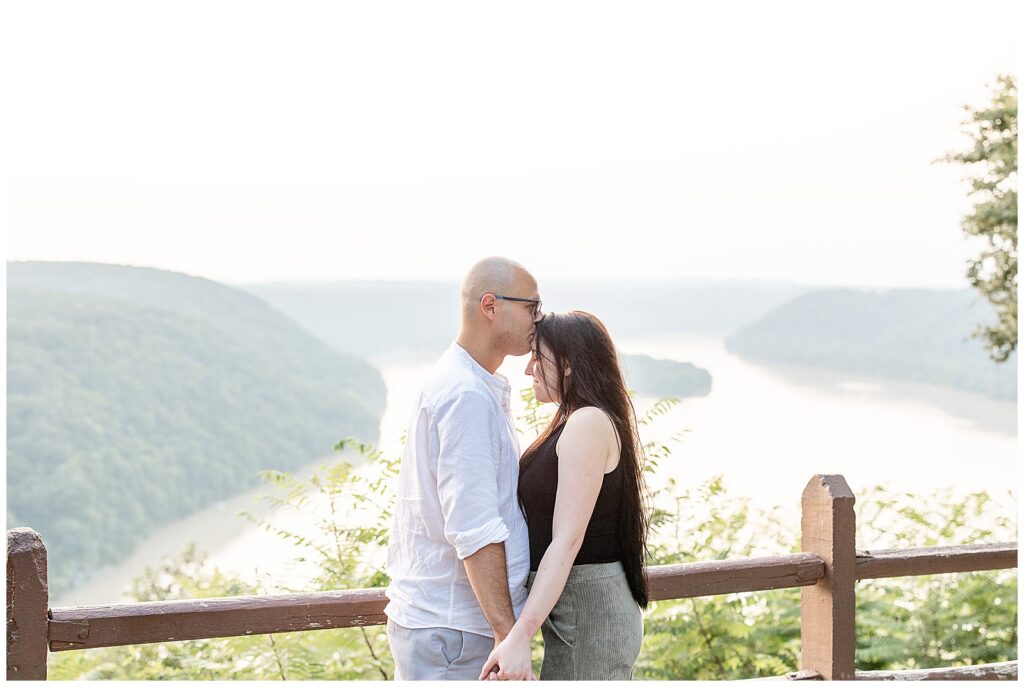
536 302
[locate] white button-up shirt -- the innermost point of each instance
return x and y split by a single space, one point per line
457 492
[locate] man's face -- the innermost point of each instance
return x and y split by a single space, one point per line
517 319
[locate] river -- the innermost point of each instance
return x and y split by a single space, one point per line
765 429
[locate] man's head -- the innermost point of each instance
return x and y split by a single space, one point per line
500 305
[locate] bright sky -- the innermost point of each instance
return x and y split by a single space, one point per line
252 141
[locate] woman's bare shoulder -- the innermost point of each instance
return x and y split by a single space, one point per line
590 422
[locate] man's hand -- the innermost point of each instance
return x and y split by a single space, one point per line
510 660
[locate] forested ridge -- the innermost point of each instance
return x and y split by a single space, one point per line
136 397
914 335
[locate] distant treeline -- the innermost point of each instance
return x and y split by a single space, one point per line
914 335
136 397
369 318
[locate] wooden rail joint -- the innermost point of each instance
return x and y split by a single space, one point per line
68 632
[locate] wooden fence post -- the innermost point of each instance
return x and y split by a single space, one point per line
28 602
827 610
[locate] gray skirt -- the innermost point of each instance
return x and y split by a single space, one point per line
595 630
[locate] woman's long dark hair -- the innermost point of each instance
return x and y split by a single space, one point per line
578 341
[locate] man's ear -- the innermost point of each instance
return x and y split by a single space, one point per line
487 306
568 370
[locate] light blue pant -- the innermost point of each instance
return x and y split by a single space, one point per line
437 653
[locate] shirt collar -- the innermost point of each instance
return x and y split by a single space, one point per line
496 381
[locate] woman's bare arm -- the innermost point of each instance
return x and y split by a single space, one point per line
583 452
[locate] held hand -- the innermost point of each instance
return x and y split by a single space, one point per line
493 676
511 657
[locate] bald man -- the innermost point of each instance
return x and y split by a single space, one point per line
459 553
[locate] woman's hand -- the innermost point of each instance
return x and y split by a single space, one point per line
511 657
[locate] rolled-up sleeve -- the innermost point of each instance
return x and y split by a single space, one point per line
467 473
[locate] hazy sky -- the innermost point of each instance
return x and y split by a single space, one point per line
250 141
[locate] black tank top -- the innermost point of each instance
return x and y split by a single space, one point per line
538 483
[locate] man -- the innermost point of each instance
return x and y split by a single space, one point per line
459 553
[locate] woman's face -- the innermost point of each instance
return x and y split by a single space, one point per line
542 368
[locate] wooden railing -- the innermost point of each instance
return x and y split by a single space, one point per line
827 570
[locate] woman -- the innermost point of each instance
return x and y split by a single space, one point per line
582 491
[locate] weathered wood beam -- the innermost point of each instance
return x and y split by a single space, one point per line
797 675
935 560
87 627
27 601
827 610
738 575
986 671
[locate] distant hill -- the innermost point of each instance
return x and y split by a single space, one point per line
651 377
370 317
136 396
373 317
915 335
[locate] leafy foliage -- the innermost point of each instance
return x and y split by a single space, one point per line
947 619
346 514
729 636
902 623
992 159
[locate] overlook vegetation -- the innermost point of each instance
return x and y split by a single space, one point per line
135 397
913 335
912 622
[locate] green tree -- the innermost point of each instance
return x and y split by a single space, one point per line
346 514
992 162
